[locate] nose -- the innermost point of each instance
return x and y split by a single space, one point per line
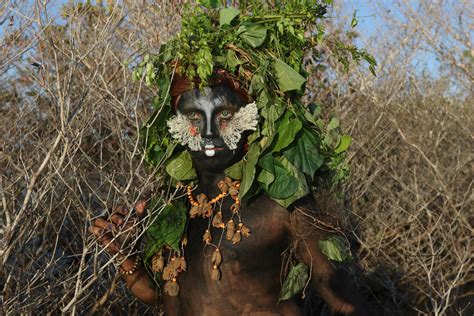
209 129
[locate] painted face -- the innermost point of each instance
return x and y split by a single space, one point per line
212 124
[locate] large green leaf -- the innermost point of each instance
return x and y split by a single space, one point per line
226 15
289 126
181 167
335 248
253 34
231 59
250 160
288 79
302 188
166 228
294 282
304 152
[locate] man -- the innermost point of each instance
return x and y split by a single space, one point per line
248 278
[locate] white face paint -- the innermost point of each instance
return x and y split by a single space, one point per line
245 119
209 152
182 129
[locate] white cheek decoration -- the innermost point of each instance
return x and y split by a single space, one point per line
244 120
182 129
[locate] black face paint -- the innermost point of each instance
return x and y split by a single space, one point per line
208 111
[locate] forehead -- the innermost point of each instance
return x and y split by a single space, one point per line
209 99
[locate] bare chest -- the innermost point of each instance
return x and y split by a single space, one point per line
249 274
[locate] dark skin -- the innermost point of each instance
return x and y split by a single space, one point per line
250 279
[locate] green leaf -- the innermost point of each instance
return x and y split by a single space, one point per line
284 185
166 228
181 167
344 144
250 161
253 34
333 124
266 178
226 15
235 171
288 79
294 282
289 126
231 59
335 248
302 188
304 153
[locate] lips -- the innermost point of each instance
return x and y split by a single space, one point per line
212 147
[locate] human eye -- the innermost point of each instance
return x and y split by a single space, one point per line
193 116
225 115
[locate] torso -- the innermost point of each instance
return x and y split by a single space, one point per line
250 270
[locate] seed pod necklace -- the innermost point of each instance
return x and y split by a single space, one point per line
212 209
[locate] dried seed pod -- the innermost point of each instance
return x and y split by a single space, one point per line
228 181
157 263
207 237
233 191
167 273
194 211
201 198
245 231
182 264
230 229
215 273
216 257
223 187
235 208
217 220
207 210
237 237
174 264
171 287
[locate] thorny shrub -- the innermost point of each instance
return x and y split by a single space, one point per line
69 121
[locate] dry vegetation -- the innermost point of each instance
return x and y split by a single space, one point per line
70 151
